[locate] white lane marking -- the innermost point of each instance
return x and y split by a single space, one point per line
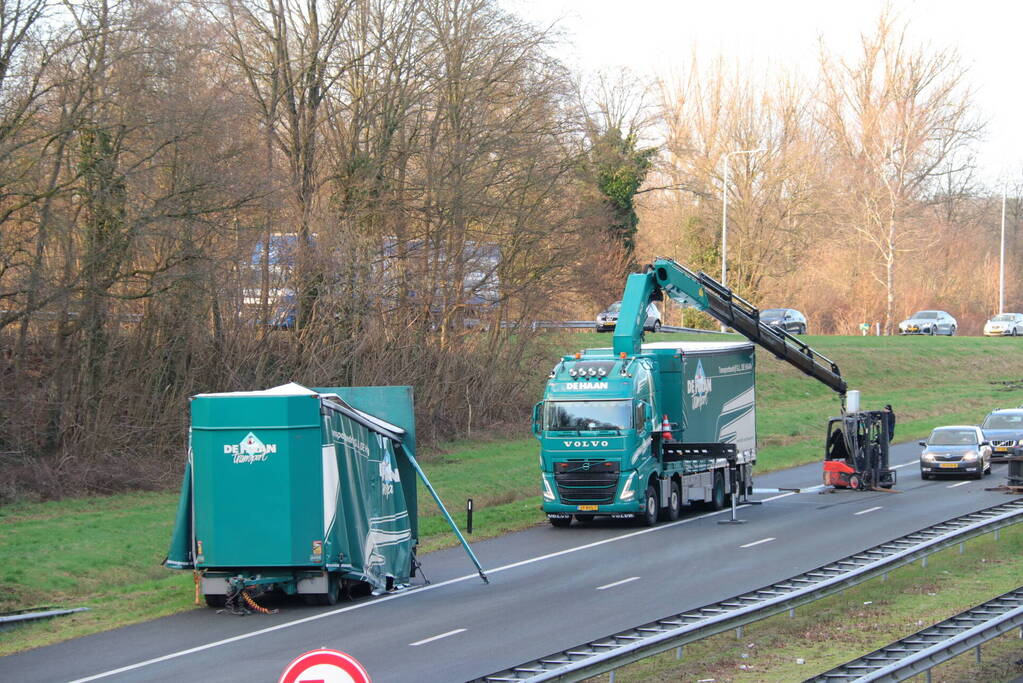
424 641
617 583
432 586
905 464
863 512
962 483
762 540
386 598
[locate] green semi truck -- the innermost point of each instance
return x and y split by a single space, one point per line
605 446
640 430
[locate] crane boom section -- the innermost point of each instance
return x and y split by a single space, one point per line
700 291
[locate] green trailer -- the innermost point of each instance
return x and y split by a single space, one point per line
304 491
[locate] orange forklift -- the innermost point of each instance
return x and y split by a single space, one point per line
856 454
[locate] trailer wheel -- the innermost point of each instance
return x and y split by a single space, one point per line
215 601
671 513
717 501
331 596
649 516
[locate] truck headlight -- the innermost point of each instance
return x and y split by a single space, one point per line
548 493
627 492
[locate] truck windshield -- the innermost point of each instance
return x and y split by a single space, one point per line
572 416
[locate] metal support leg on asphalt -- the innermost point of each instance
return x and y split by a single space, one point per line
733 477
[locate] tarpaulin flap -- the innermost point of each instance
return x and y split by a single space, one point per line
180 554
376 536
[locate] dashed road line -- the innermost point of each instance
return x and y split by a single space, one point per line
762 540
424 641
863 512
962 483
617 583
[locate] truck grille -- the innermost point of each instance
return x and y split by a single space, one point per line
589 481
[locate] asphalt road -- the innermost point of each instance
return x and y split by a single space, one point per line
549 589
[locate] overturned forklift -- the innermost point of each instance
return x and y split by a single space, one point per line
856 454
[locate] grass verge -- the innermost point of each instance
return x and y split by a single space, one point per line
841 627
105 553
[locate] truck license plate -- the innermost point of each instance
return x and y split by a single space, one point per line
588 508
949 464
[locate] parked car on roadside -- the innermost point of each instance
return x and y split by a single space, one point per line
608 318
1004 325
928 322
958 449
788 319
1004 429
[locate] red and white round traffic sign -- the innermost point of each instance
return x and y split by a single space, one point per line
325 666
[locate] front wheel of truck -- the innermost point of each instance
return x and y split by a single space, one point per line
717 501
649 516
671 512
560 521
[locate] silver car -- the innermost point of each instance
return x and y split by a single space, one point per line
608 318
1004 325
959 449
788 319
928 322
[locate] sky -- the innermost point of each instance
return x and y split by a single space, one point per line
656 37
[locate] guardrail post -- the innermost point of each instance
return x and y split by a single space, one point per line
997 534
611 676
923 561
962 547
792 612
678 650
978 654
928 676
738 633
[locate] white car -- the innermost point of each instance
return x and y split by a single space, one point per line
1004 325
928 322
608 318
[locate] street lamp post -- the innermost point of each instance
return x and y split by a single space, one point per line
1001 258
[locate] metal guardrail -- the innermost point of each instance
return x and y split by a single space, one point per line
590 324
17 618
616 650
935 644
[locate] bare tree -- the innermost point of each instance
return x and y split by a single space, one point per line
898 119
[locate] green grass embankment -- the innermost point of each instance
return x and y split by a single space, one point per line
839 628
105 553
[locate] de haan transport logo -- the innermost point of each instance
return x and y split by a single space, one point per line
250 450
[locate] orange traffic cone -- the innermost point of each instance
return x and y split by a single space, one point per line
666 429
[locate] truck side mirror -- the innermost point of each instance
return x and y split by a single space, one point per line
536 418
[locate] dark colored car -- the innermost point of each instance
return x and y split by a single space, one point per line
959 449
1004 429
788 319
608 318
